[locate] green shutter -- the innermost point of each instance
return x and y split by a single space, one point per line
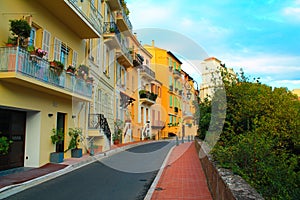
170 81
170 119
171 101
174 65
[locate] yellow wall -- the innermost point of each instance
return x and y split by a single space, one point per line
29 100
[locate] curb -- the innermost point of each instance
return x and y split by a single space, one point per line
155 182
13 189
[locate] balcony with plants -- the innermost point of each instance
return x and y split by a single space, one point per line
123 21
111 35
137 59
19 66
147 97
83 17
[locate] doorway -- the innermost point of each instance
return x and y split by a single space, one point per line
13 126
60 126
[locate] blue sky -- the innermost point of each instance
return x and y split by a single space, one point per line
262 37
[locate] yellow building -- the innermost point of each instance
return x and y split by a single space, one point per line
36 98
168 72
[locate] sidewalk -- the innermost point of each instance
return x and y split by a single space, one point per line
182 177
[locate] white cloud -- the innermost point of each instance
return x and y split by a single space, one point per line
292 13
274 70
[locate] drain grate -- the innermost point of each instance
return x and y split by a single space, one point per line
159 189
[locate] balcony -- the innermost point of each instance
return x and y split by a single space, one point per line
81 17
147 73
19 67
176 74
123 22
111 35
137 59
124 57
157 124
147 98
114 4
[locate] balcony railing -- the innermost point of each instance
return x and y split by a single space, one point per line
122 14
110 28
147 97
176 73
137 59
15 59
90 13
145 69
97 122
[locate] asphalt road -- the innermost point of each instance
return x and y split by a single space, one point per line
126 175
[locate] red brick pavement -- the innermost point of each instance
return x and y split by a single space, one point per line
183 177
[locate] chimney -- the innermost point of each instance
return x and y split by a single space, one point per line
152 43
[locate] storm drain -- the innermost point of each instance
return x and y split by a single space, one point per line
158 189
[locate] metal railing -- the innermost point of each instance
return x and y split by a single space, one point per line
125 17
111 27
91 14
147 70
16 59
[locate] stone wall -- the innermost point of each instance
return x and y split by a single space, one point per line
223 184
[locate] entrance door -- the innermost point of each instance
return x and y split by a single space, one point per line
60 125
12 126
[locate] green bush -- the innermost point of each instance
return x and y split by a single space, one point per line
260 138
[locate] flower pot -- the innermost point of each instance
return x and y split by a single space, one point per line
76 153
116 141
56 157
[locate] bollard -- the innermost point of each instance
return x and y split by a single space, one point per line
189 138
92 148
177 142
182 140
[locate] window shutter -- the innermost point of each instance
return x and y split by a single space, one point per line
74 58
46 42
57 49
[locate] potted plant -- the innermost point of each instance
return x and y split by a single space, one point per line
82 71
4 144
118 131
75 134
21 30
71 70
143 93
56 137
40 52
11 41
57 66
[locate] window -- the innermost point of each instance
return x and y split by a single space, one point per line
174 65
170 81
90 52
170 119
64 52
57 49
31 41
46 42
170 61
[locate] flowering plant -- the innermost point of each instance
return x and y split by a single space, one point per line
40 52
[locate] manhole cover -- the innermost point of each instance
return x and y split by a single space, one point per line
158 189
